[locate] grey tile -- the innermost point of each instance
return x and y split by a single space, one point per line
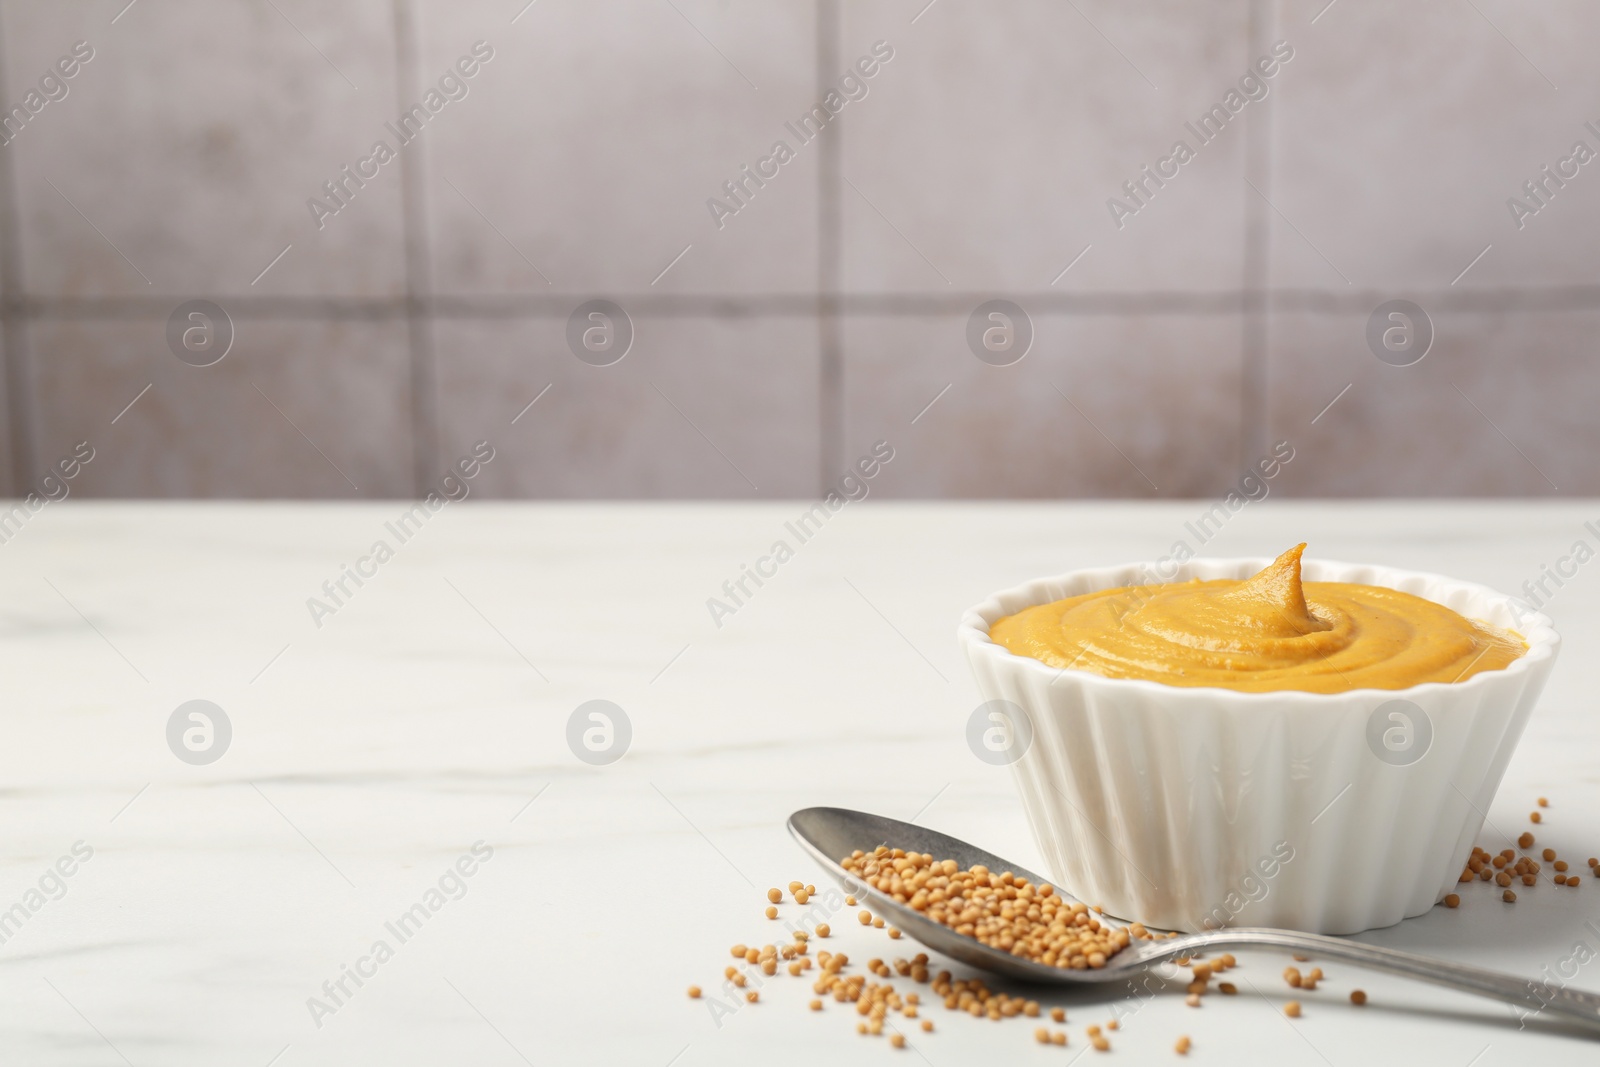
1502 405
986 151
1399 178
289 408
699 407
193 142
1101 406
584 154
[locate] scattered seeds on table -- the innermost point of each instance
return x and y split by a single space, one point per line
1452 900
866 918
1058 1015
1509 897
775 895
772 912
897 1041
1292 976
1358 997
694 992
1544 803
1525 840
1182 1047
1292 1009
1228 988
1534 816
1193 1000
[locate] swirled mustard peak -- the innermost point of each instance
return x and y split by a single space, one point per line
1267 632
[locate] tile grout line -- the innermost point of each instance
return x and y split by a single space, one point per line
1254 348
830 236
531 305
14 351
418 252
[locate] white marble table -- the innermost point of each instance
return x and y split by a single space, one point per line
429 711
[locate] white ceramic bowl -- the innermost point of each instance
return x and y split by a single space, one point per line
1190 808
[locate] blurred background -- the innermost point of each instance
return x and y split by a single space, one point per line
377 313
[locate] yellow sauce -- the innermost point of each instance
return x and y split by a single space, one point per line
1268 632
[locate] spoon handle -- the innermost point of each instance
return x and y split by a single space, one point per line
1529 995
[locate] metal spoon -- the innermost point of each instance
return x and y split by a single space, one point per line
831 833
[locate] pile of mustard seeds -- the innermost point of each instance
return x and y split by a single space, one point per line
1002 911
1505 868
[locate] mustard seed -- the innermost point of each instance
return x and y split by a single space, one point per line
823 930
1525 840
1543 802
927 1025
1042 1036
1292 976
1100 1044
1561 865
850 901
1058 1038
1228 988
1113 1025
1292 1009
893 933
1549 854
1182 1047
1509 897
1534 816
1452 900
775 895
1193 1000
897 1041
694 992
1504 879
1357 997
1058 1015
772 912
801 897
795 885
738 952
752 996
877 922
866 918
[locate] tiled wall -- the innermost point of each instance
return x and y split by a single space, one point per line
1228 312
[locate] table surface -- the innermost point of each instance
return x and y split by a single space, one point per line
426 713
